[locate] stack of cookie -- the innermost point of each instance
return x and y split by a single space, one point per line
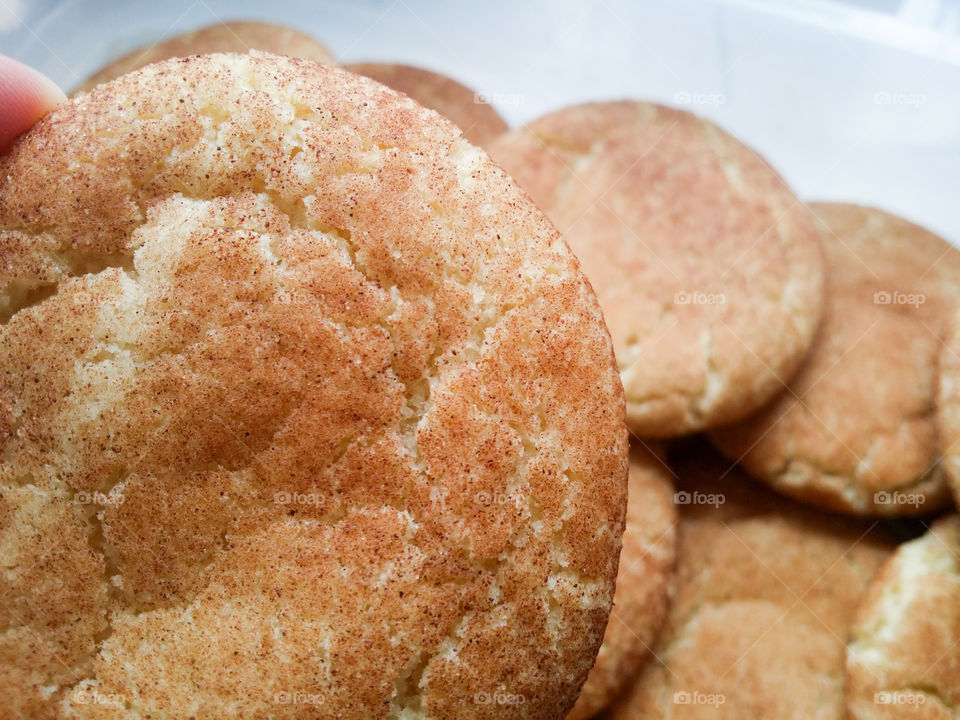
791 373
479 122
814 345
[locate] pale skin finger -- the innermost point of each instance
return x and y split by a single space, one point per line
25 96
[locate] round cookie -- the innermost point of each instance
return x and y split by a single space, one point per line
305 411
854 431
235 36
643 584
479 121
903 659
708 269
948 405
765 590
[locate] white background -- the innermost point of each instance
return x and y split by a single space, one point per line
851 101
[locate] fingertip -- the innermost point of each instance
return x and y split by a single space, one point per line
25 96
49 93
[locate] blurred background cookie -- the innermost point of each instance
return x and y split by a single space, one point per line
643 583
707 267
854 431
237 36
948 405
478 120
765 589
903 660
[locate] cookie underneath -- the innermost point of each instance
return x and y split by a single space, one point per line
948 405
765 591
903 659
465 108
238 36
854 432
644 583
708 268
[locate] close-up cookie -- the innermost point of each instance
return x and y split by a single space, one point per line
708 269
480 122
305 411
237 36
644 582
948 405
903 660
765 589
854 431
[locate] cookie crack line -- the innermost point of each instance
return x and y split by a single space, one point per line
408 428
98 540
853 492
94 263
410 695
409 700
780 476
100 544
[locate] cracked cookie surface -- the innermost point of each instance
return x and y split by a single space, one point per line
305 411
903 659
855 431
765 591
707 267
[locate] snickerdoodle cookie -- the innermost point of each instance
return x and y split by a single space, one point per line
854 431
903 660
235 36
708 269
643 583
765 590
478 120
305 411
948 404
